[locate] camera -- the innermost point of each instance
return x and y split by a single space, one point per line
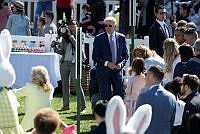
63 28
54 44
63 31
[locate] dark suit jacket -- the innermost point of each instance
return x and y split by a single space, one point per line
192 106
192 66
101 129
196 7
156 38
163 109
102 53
178 71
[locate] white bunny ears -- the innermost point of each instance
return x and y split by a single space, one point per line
7 73
116 118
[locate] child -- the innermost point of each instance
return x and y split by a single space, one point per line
85 18
38 94
85 11
99 112
135 83
47 121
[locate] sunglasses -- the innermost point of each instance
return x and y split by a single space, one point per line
107 25
163 13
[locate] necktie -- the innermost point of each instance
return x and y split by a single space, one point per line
165 30
112 48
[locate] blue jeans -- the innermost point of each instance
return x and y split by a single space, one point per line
41 6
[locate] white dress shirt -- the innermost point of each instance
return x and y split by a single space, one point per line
115 46
162 23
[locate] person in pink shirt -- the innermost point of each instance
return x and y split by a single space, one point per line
135 83
5 11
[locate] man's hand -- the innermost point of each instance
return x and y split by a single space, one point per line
119 66
174 24
69 32
112 66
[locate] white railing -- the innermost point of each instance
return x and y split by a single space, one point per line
31 9
113 3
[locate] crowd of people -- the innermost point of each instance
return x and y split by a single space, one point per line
166 75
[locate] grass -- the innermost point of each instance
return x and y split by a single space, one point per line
69 117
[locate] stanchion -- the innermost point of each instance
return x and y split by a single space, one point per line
78 73
132 23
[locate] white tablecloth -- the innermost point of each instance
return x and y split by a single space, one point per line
23 63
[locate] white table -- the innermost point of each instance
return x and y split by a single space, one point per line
23 62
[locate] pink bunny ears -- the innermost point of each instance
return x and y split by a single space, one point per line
116 118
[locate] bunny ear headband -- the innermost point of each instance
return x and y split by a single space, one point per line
116 118
7 73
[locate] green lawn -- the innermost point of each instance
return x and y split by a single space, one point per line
69 117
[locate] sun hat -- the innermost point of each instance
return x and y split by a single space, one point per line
19 5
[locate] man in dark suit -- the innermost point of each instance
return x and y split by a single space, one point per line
190 85
193 65
163 102
196 5
110 56
159 31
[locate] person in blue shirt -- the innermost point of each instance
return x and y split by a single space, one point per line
18 23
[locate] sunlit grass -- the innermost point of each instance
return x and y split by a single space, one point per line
69 117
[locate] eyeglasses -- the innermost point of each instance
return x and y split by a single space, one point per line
162 13
107 25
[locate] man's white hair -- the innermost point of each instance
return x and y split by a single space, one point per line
110 18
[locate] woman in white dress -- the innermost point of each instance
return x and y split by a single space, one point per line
38 94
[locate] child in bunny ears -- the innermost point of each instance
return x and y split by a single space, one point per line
38 94
116 118
9 123
135 83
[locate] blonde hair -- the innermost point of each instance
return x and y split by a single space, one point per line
171 52
142 51
40 78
